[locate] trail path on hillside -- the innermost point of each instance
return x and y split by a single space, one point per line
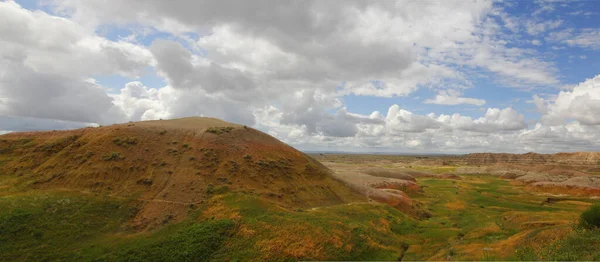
347 204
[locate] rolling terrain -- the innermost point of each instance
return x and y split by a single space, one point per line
495 211
204 189
178 189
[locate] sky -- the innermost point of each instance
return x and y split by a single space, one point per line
419 76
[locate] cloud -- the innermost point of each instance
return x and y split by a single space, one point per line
9 123
584 38
404 131
25 92
494 120
536 28
142 103
582 13
46 62
286 68
354 42
399 120
587 38
582 104
452 97
53 45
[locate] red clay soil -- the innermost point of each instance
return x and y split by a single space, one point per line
169 165
560 189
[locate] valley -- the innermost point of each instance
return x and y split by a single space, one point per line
482 215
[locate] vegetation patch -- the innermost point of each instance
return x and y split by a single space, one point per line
219 130
9 145
196 242
484 217
56 145
125 141
344 232
590 219
581 244
50 227
236 226
114 156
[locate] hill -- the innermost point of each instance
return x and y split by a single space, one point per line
184 189
169 165
200 189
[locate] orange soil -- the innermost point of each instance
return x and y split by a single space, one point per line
170 165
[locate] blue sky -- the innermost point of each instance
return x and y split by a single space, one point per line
313 74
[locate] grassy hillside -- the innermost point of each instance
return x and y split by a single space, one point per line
203 189
168 164
488 219
186 189
67 226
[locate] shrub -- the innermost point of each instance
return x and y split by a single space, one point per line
209 189
56 145
113 156
125 141
590 219
219 130
221 190
213 130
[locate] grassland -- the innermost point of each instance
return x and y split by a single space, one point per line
476 218
65 226
482 217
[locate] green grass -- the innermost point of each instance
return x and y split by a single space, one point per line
590 219
579 245
361 232
472 219
46 226
436 169
74 227
194 242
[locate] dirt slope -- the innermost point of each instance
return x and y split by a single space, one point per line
577 158
169 165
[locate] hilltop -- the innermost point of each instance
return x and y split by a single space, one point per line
169 165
